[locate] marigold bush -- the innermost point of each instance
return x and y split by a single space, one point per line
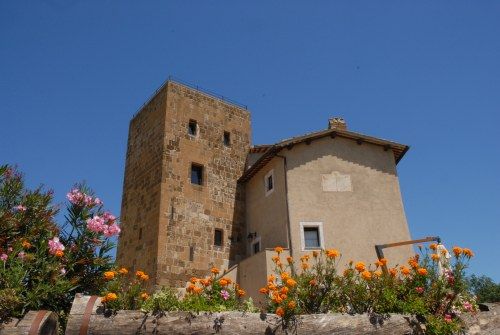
43 264
429 286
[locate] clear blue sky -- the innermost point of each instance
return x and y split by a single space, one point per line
423 73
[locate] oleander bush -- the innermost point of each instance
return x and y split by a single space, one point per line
42 263
429 286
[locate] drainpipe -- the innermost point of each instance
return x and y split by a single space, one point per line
289 235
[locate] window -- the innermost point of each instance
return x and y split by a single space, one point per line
192 128
269 182
256 248
218 237
311 234
227 138
196 174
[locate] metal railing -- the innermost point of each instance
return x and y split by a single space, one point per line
200 89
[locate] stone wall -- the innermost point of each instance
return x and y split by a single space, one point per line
178 217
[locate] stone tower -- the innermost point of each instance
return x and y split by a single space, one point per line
182 209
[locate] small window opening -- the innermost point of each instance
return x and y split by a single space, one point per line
269 183
218 237
191 253
227 138
256 247
196 174
311 238
192 128
140 233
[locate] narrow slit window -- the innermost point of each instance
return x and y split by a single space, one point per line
192 128
256 247
196 174
218 237
227 138
269 182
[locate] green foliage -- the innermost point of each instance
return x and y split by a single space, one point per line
124 290
484 288
42 265
164 300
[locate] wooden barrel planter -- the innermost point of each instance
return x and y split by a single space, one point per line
87 317
34 323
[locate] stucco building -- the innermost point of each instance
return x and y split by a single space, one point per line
197 194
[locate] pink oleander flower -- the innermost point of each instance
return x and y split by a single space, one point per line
419 290
4 257
447 318
21 255
77 197
96 224
9 249
55 245
111 230
109 218
468 306
20 208
224 294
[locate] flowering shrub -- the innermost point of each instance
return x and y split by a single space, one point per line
43 264
124 290
428 286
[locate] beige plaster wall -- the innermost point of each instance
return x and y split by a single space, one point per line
267 215
353 221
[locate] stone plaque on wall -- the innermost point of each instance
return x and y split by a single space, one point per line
336 182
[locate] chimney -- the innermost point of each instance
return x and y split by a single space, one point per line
337 123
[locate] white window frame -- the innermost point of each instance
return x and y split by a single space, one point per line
318 225
254 242
269 174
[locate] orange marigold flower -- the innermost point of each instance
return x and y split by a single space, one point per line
313 282
123 271
433 246
435 257
405 271
315 254
290 282
378 263
223 282
285 276
194 280
271 278
304 266
457 251
214 270
264 290
393 272
289 259
190 288
413 263
276 259
292 304
283 296
139 273
383 261
240 292
360 266
279 250
422 271
59 253
332 253
144 277
378 273
366 275
109 275
467 252
144 296
284 290
197 290
280 311
304 258
26 244
205 282
111 297
277 299
272 287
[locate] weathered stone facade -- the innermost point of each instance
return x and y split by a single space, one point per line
168 223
